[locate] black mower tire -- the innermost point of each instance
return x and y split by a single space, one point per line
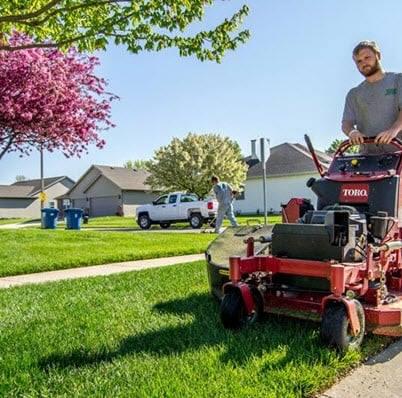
164 225
196 220
144 221
335 328
233 311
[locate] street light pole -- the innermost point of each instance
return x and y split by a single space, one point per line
264 176
42 186
42 181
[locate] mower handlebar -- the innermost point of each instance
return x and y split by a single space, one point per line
369 140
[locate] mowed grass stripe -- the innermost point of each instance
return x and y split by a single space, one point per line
154 333
29 251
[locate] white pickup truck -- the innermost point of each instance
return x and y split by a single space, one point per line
176 207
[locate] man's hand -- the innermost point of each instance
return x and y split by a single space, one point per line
386 136
356 137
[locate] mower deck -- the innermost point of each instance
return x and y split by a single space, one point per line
385 319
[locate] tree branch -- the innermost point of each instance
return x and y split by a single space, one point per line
70 9
34 14
66 42
7 147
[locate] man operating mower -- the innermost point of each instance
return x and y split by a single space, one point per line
373 108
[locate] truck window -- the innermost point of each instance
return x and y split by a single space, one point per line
162 200
188 198
172 199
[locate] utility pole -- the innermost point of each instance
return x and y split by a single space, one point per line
42 195
264 155
264 176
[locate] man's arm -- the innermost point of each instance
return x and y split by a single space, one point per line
349 120
385 137
354 135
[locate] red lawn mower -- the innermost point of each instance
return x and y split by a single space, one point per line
339 264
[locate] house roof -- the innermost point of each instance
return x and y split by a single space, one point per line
288 159
126 179
36 184
11 191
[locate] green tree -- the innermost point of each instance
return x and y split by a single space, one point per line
335 145
187 164
140 25
20 178
138 164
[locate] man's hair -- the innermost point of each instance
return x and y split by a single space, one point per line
372 45
214 179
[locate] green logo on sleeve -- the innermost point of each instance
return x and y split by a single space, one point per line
390 91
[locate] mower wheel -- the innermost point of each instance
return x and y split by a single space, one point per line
165 225
196 220
144 221
233 312
335 327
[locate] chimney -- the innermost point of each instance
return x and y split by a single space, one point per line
253 151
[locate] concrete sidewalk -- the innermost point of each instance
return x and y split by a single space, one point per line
96 270
19 225
380 376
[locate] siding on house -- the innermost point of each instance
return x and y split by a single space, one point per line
19 208
78 190
279 190
103 187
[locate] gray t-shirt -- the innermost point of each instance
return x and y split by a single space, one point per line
374 107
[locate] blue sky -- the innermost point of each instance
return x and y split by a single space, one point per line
289 79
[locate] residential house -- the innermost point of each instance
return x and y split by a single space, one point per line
109 190
21 199
287 169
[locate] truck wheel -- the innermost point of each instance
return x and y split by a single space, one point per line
144 221
233 312
335 327
165 225
196 220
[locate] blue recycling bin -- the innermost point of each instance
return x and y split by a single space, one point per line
73 218
49 218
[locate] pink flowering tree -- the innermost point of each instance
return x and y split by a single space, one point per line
51 100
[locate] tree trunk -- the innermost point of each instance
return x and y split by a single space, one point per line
7 147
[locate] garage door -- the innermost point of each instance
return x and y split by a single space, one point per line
104 206
80 203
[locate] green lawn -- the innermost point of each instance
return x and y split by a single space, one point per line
4 221
129 222
154 333
35 250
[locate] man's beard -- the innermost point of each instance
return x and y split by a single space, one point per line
372 70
